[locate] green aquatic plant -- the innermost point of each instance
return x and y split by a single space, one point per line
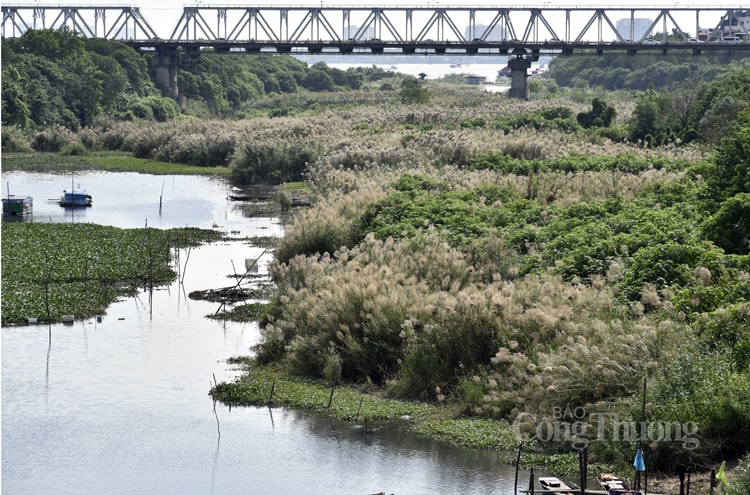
93 266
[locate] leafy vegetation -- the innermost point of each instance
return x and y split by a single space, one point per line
482 256
59 78
53 78
638 73
50 270
499 265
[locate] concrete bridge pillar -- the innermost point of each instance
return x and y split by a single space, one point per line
518 75
166 73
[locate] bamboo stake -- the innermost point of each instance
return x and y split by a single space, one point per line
518 463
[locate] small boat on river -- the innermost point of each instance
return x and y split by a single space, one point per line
18 206
75 198
556 485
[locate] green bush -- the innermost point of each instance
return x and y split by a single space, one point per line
600 115
729 228
413 94
53 139
14 140
75 148
255 163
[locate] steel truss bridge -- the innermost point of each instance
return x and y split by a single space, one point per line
393 29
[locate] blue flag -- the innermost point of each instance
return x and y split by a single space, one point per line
638 462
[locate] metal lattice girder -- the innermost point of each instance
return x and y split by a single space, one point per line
652 26
294 25
531 26
249 18
14 16
83 19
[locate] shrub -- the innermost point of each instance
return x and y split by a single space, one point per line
729 228
76 148
266 163
53 139
535 86
281 112
413 94
14 140
600 115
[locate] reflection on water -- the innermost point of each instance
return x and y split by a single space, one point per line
121 406
132 200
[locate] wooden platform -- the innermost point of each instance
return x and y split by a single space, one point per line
589 491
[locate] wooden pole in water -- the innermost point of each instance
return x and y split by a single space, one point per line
531 482
682 481
359 408
581 476
518 463
270 398
585 467
330 399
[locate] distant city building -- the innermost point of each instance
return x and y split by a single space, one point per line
350 31
739 23
497 33
640 25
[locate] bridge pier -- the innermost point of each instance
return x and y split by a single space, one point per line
166 73
518 76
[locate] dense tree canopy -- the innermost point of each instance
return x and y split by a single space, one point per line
629 72
61 78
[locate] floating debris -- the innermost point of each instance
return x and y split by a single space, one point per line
226 294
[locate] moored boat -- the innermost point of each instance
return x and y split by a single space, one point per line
556 485
75 198
18 206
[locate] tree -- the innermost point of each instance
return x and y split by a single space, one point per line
414 94
600 115
645 119
729 228
730 174
318 80
287 84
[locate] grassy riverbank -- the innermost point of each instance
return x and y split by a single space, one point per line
109 161
50 270
367 405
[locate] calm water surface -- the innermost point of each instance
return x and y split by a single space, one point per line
121 406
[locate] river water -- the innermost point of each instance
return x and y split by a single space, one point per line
121 406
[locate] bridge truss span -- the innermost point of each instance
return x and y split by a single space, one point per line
88 20
333 24
398 29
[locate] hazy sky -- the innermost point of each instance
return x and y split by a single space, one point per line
164 14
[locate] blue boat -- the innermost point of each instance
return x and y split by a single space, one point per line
75 198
